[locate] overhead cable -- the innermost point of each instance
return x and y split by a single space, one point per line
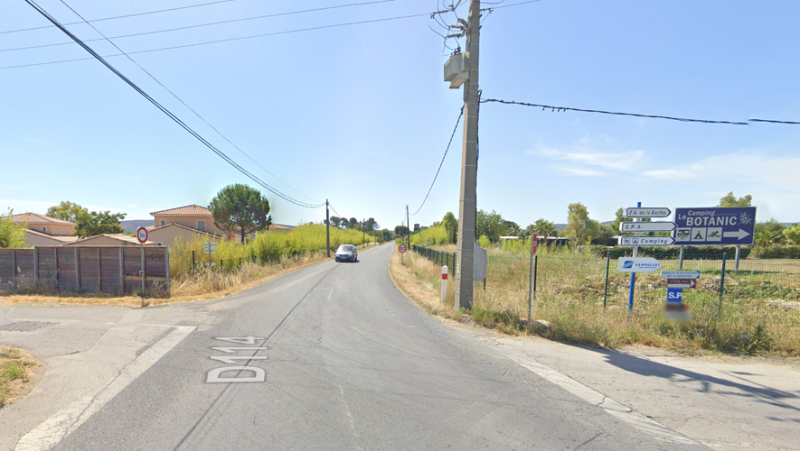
458 121
616 113
184 103
188 27
167 112
217 41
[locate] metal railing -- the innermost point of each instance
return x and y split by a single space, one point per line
438 257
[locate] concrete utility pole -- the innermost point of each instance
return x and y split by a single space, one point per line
467 209
328 227
408 236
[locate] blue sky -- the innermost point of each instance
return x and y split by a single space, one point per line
360 115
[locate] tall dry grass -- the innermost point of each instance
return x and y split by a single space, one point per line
570 294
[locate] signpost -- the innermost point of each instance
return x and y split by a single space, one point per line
402 248
641 212
680 274
141 236
681 283
208 249
534 247
637 264
646 240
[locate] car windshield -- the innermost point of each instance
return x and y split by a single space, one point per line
346 248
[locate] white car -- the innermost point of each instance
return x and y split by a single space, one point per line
346 253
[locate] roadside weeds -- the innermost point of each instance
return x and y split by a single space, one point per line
17 369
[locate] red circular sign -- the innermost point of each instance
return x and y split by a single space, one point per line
141 235
402 248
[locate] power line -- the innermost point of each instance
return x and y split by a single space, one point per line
458 121
123 16
241 38
167 112
188 27
184 103
770 121
616 113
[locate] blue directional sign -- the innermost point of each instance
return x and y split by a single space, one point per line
714 226
675 295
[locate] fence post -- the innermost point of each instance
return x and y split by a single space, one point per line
680 259
36 269
121 270
78 267
722 284
99 269
166 266
14 262
605 291
193 263
738 250
58 284
530 287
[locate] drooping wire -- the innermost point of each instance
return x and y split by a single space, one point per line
217 41
616 113
458 121
167 112
184 103
188 27
771 121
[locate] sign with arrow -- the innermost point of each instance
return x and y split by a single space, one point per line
656 226
638 264
646 240
680 274
681 283
641 212
715 226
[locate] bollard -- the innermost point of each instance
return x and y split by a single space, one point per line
444 284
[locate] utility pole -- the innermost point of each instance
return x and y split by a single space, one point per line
467 208
408 236
328 226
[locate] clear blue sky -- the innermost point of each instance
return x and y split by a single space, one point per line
361 115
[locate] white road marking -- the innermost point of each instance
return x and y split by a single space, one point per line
67 420
349 415
598 399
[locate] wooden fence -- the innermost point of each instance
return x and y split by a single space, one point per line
85 269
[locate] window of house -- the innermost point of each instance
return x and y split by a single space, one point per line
201 225
163 222
44 229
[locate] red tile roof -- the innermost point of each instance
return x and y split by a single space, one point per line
33 218
188 210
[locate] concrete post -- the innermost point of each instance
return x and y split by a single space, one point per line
121 270
328 227
467 209
444 284
78 267
166 267
36 269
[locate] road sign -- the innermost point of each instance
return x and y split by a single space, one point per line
209 245
638 264
534 244
704 226
643 212
680 274
211 264
675 295
141 235
681 283
402 248
645 240
655 226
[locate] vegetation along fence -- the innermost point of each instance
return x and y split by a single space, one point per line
439 257
81 269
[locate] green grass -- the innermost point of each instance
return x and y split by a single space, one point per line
13 367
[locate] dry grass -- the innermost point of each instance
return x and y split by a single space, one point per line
16 371
570 297
200 284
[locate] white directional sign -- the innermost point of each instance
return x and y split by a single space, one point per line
646 241
644 212
680 274
638 264
655 226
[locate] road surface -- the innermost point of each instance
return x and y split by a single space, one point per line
348 364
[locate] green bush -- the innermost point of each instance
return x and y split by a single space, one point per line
674 252
775 251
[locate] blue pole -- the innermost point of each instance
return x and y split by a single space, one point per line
633 276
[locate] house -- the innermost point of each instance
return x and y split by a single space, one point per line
167 234
110 239
191 221
45 231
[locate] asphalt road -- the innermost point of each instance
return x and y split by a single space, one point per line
348 363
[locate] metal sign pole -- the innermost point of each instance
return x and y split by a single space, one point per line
633 274
141 246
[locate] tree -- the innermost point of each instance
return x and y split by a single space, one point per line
769 232
371 225
67 211
401 230
580 228
96 223
490 225
353 224
731 201
335 221
239 208
544 228
792 233
450 224
11 235
510 228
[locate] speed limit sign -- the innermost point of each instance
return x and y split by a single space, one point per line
402 248
141 235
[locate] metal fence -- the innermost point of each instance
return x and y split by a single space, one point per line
83 269
438 257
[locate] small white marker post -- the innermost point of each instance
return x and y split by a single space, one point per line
444 283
